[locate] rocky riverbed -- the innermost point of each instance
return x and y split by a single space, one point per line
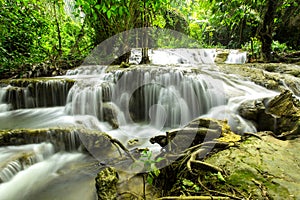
218 162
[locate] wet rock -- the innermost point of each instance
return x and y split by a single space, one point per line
106 184
264 168
11 166
221 56
255 111
280 114
110 114
89 141
133 142
196 132
106 92
275 76
285 108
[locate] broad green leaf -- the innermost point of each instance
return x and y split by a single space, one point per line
98 7
108 13
220 177
187 182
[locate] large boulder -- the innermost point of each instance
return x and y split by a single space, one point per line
110 114
263 168
280 114
196 132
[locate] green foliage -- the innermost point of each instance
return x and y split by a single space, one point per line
279 47
149 165
253 47
36 31
189 185
39 31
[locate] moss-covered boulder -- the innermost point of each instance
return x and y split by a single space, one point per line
221 56
265 168
106 184
97 143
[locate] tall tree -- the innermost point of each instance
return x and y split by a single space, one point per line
266 32
110 17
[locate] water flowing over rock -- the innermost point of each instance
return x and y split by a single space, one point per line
193 101
165 96
34 93
13 160
66 139
190 56
280 114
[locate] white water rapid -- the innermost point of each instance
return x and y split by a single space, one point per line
132 104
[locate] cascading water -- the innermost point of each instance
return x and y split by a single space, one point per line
136 103
236 57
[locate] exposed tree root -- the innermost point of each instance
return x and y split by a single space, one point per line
138 197
119 144
217 192
193 160
193 197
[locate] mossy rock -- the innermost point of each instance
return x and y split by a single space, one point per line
262 167
106 183
69 139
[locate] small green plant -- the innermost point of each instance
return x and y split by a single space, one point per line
279 47
188 184
253 47
149 165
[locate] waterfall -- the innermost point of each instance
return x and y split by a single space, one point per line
236 57
3 105
53 159
17 158
175 56
178 96
33 94
51 179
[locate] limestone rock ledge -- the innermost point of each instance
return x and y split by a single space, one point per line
265 168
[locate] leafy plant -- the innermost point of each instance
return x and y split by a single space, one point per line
149 165
253 47
188 184
279 47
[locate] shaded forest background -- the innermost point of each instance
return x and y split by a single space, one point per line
61 33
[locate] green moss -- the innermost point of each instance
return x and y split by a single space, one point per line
26 81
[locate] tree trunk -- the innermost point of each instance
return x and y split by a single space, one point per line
267 30
145 37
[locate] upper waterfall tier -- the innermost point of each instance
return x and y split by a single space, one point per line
190 56
165 96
